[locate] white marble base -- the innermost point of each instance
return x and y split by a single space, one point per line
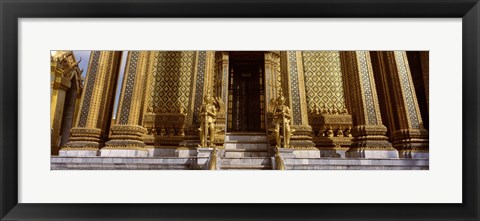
123 153
307 153
414 155
78 153
356 164
333 153
287 153
256 138
246 146
203 154
372 154
246 163
237 154
161 152
185 153
178 163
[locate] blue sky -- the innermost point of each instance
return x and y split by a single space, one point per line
85 56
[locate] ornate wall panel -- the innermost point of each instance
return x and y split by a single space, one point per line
323 79
170 81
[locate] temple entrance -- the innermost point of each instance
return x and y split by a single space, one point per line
246 107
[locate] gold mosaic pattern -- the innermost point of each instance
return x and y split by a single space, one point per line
295 88
323 79
91 77
128 90
202 56
407 90
367 87
170 82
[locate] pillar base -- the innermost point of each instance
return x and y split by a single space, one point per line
84 138
370 142
125 142
411 143
302 137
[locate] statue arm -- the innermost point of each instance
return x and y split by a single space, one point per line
288 113
212 111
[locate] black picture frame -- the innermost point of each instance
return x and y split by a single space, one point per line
11 11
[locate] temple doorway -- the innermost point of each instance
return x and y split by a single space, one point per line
246 99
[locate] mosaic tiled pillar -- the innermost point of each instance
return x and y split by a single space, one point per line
409 136
293 87
92 126
369 132
197 93
424 59
127 132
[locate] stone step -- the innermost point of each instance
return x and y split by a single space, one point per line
246 138
239 167
246 146
246 163
243 154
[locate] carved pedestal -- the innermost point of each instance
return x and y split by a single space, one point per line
125 141
332 132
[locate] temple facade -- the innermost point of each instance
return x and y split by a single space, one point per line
241 110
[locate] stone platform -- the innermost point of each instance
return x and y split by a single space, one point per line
191 163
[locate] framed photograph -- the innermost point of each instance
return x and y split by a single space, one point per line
161 110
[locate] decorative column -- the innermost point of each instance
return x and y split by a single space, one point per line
424 60
293 87
209 72
409 136
222 82
92 126
272 72
127 132
369 140
196 95
220 93
211 76
272 63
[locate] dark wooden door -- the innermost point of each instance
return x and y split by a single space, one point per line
246 90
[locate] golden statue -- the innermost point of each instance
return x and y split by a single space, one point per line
282 120
208 115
